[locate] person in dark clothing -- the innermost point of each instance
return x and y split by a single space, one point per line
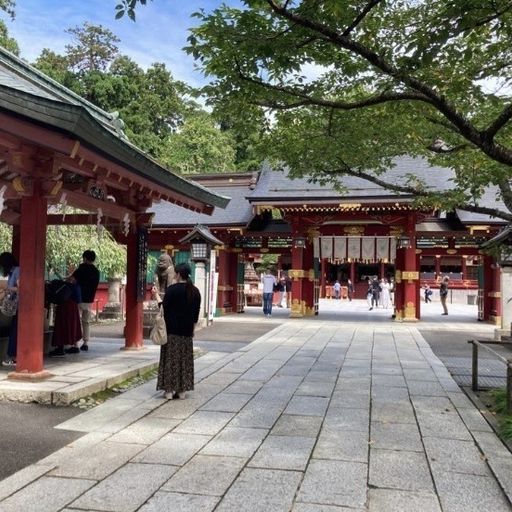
181 304
374 289
11 270
88 277
67 329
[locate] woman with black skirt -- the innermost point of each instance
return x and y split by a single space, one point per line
181 305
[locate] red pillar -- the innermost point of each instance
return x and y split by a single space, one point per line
353 277
296 273
32 238
487 291
410 275
399 284
323 270
134 306
308 281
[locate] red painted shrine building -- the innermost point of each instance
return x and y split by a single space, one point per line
322 236
58 149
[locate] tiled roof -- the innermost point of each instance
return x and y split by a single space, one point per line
28 93
237 213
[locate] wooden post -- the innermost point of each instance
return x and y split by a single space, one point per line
474 367
134 306
31 290
509 387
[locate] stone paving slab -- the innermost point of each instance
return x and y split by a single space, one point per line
315 416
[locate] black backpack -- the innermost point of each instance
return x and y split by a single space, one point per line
57 291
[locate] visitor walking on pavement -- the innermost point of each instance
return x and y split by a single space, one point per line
268 281
443 293
181 304
88 277
427 293
337 290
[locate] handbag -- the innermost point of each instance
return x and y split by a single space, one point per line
9 304
158 334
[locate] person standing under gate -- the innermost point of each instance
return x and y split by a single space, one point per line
88 277
268 281
443 293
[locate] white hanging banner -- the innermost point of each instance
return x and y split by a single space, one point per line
316 247
382 248
353 247
326 247
368 249
392 249
340 248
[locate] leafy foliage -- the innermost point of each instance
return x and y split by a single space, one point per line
7 42
351 85
8 6
199 147
127 7
94 48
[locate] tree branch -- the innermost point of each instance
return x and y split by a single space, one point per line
360 17
498 123
464 126
339 105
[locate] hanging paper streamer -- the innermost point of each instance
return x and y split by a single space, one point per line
353 247
392 249
316 247
383 248
326 247
64 203
126 223
340 248
368 249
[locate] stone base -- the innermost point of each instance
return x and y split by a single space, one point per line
137 349
111 310
30 377
499 334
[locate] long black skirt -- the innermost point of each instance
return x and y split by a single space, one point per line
176 368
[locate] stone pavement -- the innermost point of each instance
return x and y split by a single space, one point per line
315 416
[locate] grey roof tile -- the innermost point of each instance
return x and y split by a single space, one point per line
238 211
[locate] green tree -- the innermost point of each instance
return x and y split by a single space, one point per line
65 245
57 67
349 85
8 6
94 48
8 42
200 147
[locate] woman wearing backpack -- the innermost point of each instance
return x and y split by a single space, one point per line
11 270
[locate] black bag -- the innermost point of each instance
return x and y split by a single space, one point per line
57 291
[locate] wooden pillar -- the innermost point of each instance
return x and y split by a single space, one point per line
224 288
16 241
410 275
438 266
353 277
486 283
399 285
296 273
134 304
308 282
463 268
323 270
32 238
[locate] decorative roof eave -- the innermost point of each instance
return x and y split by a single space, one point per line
283 202
313 207
76 121
201 232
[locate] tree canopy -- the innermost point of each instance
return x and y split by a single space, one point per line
350 84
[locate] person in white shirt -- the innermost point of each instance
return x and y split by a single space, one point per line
268 281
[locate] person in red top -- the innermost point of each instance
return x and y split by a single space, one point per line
88 277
